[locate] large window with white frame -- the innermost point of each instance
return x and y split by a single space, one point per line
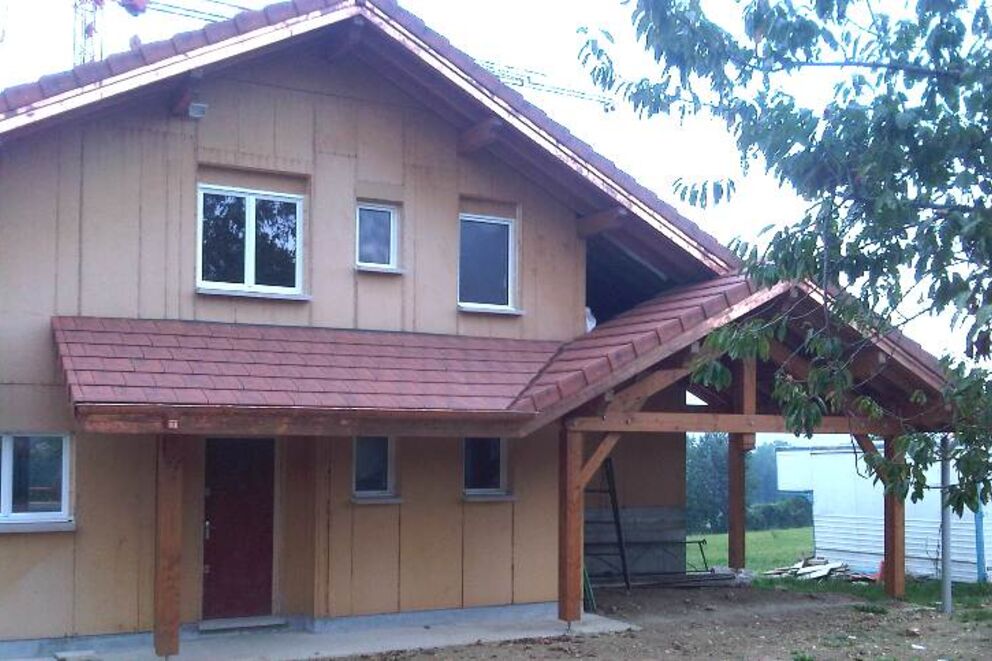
484 466
486 268
34 478
373 467
249 241
377 237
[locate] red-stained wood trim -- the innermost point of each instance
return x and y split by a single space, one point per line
736 501
731 423
895 535
168 544
597 458
602 221
479 136
570 518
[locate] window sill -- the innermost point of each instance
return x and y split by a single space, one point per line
376 500
382 270
240 293
486 309
488 498
37 526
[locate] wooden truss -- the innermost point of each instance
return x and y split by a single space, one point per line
623 413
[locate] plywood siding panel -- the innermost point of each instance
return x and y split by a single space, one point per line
294 126
297 530
31 406
113 501
69 202
153 228
110 225
431 215
380 144
431 532
36 575
488 554
379 301
375 559
321 527
191 590
340 536
336 126
332 242
535 517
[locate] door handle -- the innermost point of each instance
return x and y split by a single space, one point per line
206 530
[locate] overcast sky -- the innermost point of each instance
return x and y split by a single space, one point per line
530 34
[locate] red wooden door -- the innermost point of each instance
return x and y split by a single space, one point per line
237 529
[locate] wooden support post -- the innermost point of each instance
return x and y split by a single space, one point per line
737 501
168 544
570 516
895 536
745 401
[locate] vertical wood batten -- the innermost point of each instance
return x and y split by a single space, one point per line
570 517
168 544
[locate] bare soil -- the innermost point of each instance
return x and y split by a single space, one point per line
750 623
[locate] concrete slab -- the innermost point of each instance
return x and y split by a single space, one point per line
342 637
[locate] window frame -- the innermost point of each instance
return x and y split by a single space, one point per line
511 266
394 239
7 515
504 487
251 196
390 491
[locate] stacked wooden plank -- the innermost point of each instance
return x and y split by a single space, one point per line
816 569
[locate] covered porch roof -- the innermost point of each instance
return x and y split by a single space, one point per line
187 377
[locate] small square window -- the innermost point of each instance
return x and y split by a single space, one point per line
373 466
250 241
377 245
485 465
486 268
34 476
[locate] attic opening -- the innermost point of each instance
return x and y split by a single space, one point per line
617 279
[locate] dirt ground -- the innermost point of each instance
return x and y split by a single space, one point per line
750 623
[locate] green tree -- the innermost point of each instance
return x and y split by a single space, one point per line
706 483
895 170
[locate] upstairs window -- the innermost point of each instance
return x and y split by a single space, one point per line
376 243
485 466
486 268
34 478
373 467
250 241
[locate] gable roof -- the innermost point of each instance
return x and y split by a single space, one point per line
84 87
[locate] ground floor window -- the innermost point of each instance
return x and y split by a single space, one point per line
373 467
485 465
34 478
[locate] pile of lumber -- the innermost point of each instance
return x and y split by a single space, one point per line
816 569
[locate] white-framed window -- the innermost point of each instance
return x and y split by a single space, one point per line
484 466
34 478
377 236
373 470
487 264
249 241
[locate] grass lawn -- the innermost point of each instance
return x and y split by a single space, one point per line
765 549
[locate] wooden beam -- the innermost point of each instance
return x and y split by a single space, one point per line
895 535
479 136
723 422
570 517
634 396
736 501
602 221
168 544
866 444
597 458
345 39
746 403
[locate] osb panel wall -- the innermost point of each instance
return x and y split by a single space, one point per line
433 549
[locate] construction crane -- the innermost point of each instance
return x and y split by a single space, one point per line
536 80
